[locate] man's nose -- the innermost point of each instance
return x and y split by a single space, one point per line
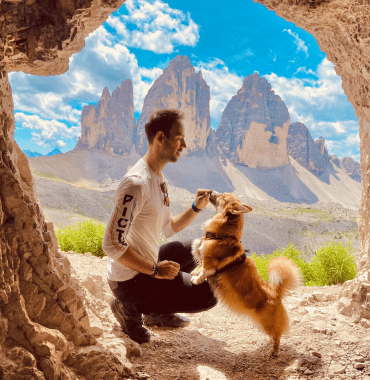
183 144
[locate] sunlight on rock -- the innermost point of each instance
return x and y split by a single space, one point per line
210 373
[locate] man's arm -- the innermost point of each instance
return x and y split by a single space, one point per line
182 220
131 259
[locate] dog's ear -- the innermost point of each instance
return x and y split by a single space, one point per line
237 208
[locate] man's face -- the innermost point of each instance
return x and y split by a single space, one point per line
173 145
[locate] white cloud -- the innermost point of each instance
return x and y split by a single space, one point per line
322 106
223 86
106 61
47 132
155 27
301 46
47 105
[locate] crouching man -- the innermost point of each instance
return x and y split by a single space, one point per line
151 283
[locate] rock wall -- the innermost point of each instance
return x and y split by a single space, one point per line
311 154
110 126
254 126
39 36
179 87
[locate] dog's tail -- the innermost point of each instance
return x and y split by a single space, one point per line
283 274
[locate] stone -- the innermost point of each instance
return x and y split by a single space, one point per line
301 146
365 311
344 306
110 126
359 365
337 369
303 303
182 88
254 126
319 297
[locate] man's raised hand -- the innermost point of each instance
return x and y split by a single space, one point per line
202 198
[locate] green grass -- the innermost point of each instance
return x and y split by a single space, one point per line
84 237
38 173
332 264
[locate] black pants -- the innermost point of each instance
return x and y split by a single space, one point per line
150 295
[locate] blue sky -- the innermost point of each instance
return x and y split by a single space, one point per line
226 43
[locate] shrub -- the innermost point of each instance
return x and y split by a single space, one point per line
331 265
84 237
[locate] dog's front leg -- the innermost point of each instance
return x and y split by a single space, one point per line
204 273
195 251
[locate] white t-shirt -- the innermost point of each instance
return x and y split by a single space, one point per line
138 219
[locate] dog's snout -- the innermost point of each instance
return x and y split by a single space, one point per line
213 196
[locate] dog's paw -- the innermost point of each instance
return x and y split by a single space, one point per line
196 280
275 352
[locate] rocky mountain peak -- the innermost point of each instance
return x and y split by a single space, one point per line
309 153
111 124
352 167
254 126
105 93
182 88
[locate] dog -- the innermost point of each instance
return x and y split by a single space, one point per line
233 276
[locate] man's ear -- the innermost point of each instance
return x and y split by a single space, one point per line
159 137
236 208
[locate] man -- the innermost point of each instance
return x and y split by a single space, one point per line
144 278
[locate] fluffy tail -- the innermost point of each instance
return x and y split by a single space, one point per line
284 274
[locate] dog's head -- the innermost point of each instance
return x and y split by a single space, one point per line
228 203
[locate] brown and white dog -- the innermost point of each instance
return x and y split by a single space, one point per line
233 276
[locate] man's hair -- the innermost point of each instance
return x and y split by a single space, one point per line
161 120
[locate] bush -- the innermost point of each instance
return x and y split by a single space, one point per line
331 265
84 237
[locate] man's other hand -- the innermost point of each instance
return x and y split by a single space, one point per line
167 270
202 198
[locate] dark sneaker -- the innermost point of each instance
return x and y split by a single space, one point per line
168 320
131 322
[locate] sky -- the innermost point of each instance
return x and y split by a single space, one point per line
226 43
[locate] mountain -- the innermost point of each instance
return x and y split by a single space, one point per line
249 153
311 154
254 126
53 152
179 87
352 167
28 153
110 126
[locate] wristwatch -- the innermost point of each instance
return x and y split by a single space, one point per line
195 208
155 270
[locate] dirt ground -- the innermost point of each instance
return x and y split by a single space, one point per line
321 344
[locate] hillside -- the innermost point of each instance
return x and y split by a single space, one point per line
290 203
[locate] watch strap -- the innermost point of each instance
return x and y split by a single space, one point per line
195 209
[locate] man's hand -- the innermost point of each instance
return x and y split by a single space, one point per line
202 198
167 270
